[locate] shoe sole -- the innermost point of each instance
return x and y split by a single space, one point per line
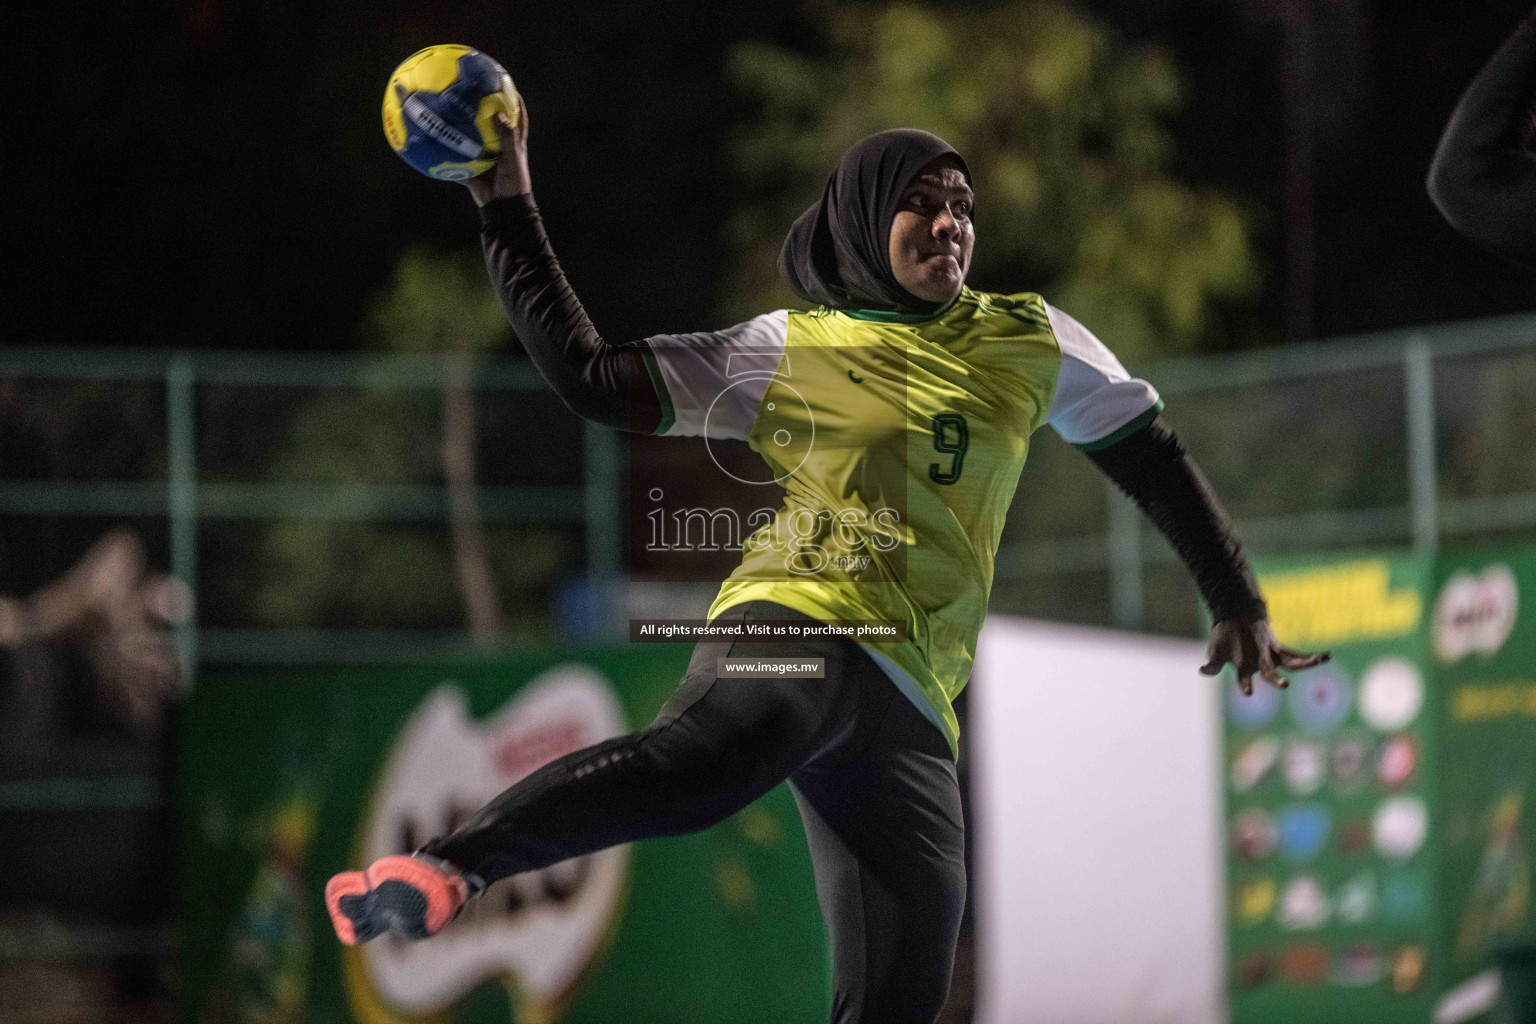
397 894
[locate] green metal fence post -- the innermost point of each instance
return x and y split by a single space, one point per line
181 481
1127 588
1419 377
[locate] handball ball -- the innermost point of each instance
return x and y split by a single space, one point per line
438 108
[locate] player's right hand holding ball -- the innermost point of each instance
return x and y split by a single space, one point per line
510 175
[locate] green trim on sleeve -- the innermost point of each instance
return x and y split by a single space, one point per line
1124 432
668 414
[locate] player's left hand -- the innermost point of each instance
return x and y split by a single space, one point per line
1250 647
509 176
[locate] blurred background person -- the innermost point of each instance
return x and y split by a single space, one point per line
1483 177
88 658
88 672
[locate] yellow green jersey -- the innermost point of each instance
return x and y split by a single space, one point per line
898 441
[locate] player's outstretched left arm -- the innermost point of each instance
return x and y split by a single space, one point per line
1153 468
1113 418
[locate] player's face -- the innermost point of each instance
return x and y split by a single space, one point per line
932 235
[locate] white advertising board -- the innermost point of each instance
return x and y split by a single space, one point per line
1095 817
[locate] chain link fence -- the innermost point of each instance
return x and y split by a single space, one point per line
304 496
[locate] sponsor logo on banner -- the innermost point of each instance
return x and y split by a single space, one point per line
1255 969
1404 896
1305 767
1395 764
1359 964
1253 762
1391 694
1400 826
1349 757
1256 901
1469 1000
1346 601
1303 904
1304 965
1475 613
1355 901
1406 968
1253 710
1499 902
1303 831
1253 835
1320 698
539 932
1354 836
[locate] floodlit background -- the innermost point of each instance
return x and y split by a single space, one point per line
273 470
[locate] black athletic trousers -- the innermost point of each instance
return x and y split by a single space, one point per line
873 779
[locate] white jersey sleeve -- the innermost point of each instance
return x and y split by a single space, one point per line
1096 401
712 383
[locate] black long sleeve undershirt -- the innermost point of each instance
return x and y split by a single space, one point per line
599 381
1483 177
1152 467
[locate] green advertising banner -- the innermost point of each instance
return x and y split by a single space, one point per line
1376 810
289 777
1483 645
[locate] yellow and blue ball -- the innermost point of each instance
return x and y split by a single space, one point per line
438 108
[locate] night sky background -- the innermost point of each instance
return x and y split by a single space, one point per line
213 174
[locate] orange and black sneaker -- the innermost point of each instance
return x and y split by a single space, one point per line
414 896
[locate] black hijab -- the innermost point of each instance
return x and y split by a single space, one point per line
852 224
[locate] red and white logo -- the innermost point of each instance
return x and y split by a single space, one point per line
540 930
1394 766
1475 613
